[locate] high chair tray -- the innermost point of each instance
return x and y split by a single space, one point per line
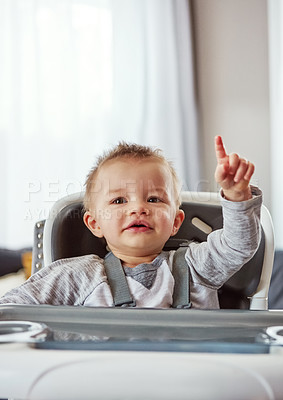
150 324
107 353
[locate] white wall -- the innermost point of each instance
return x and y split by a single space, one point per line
232 77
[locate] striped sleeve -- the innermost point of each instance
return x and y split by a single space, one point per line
64 282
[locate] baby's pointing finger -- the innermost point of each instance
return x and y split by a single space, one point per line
219 149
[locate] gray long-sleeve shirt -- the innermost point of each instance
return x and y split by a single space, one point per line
82 280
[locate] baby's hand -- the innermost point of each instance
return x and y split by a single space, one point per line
233 173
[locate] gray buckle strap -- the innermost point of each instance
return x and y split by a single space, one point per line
117 282
180 272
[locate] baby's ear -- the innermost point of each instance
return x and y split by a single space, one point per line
179 218
92 224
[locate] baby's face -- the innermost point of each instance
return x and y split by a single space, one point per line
134 206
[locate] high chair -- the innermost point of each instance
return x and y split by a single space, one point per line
63 234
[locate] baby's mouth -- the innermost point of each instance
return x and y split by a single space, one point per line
138 226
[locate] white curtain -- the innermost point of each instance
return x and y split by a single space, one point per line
275 22
77 76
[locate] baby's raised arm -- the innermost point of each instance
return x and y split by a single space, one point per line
232 173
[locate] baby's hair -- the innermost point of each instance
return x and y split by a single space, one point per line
130 151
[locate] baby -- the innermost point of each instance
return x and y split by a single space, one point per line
132 200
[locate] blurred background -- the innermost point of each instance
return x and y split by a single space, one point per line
77 76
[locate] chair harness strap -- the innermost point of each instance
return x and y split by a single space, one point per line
117 282
180 272
120 289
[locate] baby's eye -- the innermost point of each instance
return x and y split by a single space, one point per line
154 199
119 200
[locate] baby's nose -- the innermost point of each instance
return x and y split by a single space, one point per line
139 209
